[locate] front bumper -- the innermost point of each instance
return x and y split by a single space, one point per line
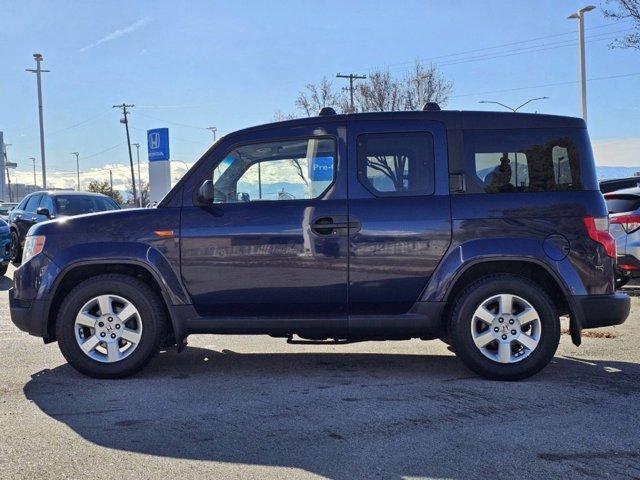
29 316
596 311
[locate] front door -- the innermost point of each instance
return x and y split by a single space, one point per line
399 192
266 246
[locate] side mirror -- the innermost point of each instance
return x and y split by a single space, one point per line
205 194
44 211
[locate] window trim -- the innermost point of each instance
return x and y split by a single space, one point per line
368 186
226 153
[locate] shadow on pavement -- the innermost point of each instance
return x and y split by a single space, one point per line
352 415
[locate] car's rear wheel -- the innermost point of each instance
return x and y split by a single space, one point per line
110 326
15 250
621 281
504 327
3 269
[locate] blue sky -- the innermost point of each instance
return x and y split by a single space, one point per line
189 65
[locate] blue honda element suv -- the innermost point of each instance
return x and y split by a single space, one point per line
477 228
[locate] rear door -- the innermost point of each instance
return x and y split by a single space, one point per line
398 192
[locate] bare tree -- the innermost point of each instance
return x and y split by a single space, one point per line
315 97
378 93
625 10
424 85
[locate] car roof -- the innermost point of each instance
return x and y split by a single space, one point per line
55 193
453 119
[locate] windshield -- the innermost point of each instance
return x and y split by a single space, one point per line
78 204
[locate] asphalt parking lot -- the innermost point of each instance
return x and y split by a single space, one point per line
255 407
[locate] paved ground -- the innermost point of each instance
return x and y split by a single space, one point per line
253 407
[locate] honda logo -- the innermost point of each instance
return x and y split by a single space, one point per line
154 140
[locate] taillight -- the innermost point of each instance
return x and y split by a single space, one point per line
598 231
630 223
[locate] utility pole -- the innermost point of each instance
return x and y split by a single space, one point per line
213 130
125 120
579 15
351 78
137 145
38 71
111 181
6 166
33 159
77 167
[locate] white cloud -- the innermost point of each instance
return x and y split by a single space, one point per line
623 152
119 33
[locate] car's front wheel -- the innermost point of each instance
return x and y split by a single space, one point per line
15 250
504 327
110 326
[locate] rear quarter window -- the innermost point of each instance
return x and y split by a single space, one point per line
528 160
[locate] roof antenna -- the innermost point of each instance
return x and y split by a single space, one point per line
326 111
431 107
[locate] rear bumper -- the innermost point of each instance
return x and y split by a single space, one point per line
596 311
28 316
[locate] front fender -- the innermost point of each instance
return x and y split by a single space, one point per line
150 257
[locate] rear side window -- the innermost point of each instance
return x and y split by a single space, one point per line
622 203
527 160
396 164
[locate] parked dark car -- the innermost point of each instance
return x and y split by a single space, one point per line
624 217
478 228
5 246
48 205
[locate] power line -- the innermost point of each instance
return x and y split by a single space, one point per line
495 47
624 75
170 122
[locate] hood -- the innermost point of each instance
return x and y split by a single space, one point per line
113 225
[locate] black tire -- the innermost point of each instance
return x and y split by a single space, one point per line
621 281
471 298
141 296
3 269
15 250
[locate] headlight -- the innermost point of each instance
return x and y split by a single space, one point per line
33 245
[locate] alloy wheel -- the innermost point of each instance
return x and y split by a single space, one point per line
108 328
506 328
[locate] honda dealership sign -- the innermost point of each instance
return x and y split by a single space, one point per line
158 144
159 166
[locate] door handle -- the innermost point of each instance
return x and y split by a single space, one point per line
335 225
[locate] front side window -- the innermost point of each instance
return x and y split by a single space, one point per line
396 164
47 203
285 170
522 161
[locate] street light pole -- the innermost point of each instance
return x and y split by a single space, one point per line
33 159
213 130
137 145
77 167
579 15
518 107
38 71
